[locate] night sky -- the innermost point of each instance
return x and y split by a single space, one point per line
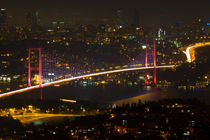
96 11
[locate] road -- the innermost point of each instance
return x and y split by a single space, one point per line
81 77
25 118
190 53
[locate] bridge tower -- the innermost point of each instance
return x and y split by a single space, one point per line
35 68
150 51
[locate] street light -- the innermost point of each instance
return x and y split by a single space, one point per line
144 47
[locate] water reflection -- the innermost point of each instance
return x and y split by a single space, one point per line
120 94
146 96
159 94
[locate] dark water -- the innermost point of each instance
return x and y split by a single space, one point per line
118 94
159 94
102 94
113 94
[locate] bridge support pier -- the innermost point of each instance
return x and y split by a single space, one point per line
151 53
39 68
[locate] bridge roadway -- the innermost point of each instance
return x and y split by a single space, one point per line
189 52
80 77
38 116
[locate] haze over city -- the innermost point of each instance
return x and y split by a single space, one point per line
94 11
104 70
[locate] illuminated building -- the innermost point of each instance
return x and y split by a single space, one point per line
5 65
119 19
35 19
3 17
208 28
58 24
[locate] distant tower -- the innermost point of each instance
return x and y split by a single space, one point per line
3 17
136 18
32 20
35 19
119 19
29 20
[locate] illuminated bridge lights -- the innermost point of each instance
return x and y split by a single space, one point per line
80 77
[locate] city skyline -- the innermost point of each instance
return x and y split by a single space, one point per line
104 69
161 12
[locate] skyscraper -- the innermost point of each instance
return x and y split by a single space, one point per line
208 28
32 20
29 20
3 17
35 19
119 18
136 18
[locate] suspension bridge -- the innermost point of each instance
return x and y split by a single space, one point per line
43 72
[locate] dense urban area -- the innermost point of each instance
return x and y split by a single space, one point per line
77 49
165 119
69 50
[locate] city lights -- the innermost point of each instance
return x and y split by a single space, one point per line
80 77
190 50
108 70
144 47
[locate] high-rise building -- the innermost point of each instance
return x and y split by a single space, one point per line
136 18
32 20
208 28
35 19
3 17
119 18
29 19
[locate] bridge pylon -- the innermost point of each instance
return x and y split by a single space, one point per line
151 51
35 68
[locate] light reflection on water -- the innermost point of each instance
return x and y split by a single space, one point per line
150 96
159 94
119 94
